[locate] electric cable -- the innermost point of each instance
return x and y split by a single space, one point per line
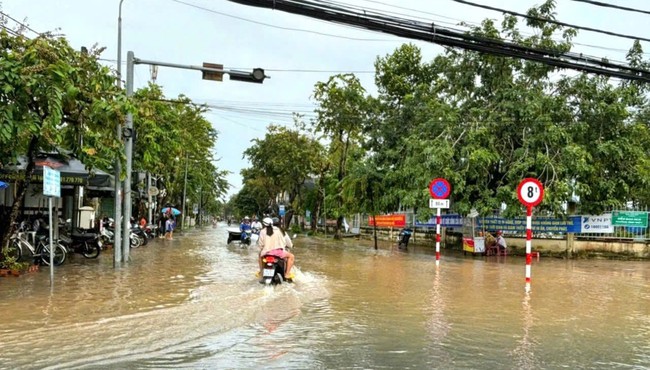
10 31
564 24
612 6
431 33
20 23
278 27
625 51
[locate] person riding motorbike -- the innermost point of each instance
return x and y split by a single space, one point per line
273 241
287 238
245 225
256 225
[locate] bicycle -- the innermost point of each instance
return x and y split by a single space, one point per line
40 253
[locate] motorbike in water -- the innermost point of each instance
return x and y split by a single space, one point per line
80 241
273 271
234 234
136 237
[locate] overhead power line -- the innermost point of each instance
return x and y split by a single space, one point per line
564 24
20 23
430 32
10 31
612 6
278 27
474 23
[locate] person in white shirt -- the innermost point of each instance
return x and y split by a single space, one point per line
501 241
273 241
256 225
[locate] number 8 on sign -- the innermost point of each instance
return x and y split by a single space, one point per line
530 192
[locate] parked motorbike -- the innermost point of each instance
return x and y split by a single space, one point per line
273 271
107 235
150 230
139 233
80 241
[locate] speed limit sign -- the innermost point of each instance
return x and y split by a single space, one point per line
530 192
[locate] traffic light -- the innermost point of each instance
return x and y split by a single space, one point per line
257 76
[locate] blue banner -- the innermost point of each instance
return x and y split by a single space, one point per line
517 225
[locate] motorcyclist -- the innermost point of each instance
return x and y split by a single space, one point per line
287 239
245 225
273 242
256 225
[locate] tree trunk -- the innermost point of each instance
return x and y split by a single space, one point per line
374 220
7 228
374 228
339 228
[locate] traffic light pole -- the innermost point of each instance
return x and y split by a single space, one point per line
256 76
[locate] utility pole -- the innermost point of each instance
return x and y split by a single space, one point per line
187 159
117 245
154 75
128 136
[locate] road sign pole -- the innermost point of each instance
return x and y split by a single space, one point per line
529 237
49 211
438 219
439 189
530 193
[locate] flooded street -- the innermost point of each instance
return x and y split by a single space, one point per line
195 303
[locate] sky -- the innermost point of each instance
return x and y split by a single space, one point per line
296 51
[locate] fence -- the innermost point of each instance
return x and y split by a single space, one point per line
629 224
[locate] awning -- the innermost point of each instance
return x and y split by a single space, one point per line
73 172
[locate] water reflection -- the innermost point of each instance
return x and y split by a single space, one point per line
195 303
524 353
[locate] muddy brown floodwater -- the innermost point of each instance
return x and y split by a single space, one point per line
194 303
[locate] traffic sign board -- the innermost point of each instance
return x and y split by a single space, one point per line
439 203
439 188
530 192
51 182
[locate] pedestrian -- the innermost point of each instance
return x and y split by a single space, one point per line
161 226
168 228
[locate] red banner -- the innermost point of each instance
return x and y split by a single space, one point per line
397 220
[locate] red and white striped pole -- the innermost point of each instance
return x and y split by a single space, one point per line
529 237
530 193
438 222
439 189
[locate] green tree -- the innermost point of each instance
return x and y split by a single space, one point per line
174 135
341 114
281 162
485 122
50 96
